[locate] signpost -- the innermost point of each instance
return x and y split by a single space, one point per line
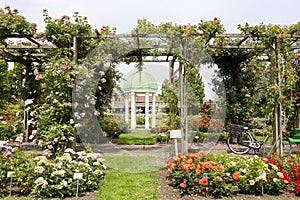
175 134
10 175
77 176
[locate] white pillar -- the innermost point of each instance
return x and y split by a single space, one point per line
153 110
147 110
126 109
133 111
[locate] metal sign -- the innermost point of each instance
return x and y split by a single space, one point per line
175 134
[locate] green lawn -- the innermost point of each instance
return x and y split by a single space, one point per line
129 177
141 132
128 186
138 137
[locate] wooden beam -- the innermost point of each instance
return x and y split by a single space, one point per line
153 60
13 57
233 46
26 47
122 36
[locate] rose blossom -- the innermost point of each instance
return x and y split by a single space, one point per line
6 154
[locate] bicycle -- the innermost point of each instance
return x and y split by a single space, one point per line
240 141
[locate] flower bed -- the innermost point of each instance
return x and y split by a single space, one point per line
223 175
44 176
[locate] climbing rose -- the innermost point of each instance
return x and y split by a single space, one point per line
6 154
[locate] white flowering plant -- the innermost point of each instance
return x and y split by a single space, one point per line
54 176
256 175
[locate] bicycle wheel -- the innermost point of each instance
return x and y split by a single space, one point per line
235 147
286 147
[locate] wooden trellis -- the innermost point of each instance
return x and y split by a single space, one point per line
24 49
35 51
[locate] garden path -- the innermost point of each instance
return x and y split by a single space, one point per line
162 152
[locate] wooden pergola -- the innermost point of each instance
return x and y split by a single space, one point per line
26 50
33 50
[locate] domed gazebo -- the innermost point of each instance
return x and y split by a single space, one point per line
140 83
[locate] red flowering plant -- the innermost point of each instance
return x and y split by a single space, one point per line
182 172
222 175
197 174
193 123
112 127
254 175
290 167
205 116
294 172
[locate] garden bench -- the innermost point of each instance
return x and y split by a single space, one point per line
295 138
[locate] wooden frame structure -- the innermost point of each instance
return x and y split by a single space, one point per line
34 51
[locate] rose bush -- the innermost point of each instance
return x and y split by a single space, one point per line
112 127
52 121
54 177
11 122
14 23
222 175
13 159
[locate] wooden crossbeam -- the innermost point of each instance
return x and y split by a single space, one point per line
36 45
26 47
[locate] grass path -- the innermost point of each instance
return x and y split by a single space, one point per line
130 177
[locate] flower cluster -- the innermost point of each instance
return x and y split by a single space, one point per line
288 169
7 150
54 177
13 22
192 173
222 175
112 126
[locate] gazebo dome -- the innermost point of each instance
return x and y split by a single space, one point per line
140 81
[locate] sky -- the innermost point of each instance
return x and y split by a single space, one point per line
123 14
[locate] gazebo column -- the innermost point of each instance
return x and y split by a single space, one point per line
126 109
133 111
147 110
153 110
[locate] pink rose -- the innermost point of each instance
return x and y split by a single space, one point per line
6 154
19 144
